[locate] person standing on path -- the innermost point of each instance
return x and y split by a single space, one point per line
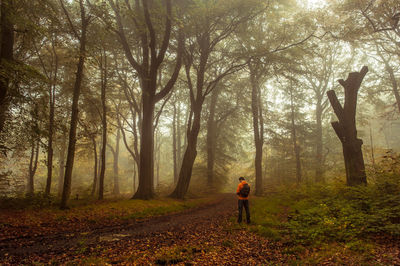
243 191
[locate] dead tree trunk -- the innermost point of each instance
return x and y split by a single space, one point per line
346 130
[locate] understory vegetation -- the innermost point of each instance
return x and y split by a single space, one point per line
325 218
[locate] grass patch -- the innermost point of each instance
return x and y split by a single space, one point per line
330 218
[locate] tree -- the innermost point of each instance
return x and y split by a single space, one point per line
147 64
84 20
210 30
346 130
115 152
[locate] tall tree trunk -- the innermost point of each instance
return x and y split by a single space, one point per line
61 164
346 129
33 163
147 68
185 136
74 110
211 137
257 128
116 159
174 144
158 159
134 178
296 147
372 146
103 71
6 55
52 100
319 144
94 186
178 137
190 154
146 170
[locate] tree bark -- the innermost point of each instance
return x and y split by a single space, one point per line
174 144
346 130
6 55
146 170
62 164
178 137
116 160
257 128
52 100
103 71
33 166
296 147
319 144
94 186
134 178
189 156
211 137
74 110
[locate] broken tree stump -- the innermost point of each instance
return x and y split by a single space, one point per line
346 129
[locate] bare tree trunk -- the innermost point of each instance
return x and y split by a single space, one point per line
146 169
346 130
74 110
257 128
174 144
211 137
158 159
103 71
189 156
6 55
116 159
62 164
372 146
178 133
33 163
185 135
94 186
296 147
134 178
52 100
319 144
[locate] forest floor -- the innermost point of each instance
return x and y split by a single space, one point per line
203 234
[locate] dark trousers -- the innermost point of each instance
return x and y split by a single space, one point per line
245 204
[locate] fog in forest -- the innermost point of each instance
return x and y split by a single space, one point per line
157 98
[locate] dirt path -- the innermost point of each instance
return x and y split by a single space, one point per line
199 236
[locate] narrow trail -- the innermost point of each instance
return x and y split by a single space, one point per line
197 236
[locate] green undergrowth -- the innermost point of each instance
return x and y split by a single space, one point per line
327 218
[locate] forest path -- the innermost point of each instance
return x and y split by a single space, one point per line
205 235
